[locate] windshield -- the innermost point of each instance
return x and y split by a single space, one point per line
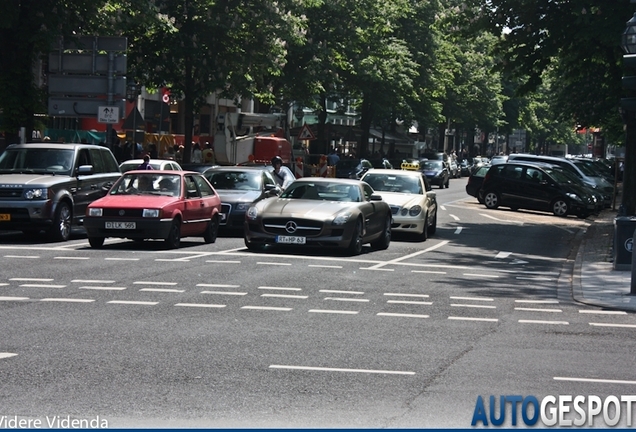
147 184
37 160
432 165
394 183
235 180
323 191
587 170
563 176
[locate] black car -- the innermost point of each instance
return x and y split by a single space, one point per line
535 187
381 163
352 168
475 181
239 187
436 172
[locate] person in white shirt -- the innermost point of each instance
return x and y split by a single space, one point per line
283 175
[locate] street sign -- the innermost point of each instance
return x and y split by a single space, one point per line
108 114
306 133
86 63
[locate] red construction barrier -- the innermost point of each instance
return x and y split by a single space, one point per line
298 167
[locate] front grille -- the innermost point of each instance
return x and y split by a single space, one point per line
127 213
225 209
304 227
10 192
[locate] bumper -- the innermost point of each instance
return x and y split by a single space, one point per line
145 228
337 236
21 215
407 224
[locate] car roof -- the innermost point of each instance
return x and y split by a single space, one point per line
329 180
240 168
395 172
138 161
50 145
160 172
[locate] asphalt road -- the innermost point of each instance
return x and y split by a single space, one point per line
216 336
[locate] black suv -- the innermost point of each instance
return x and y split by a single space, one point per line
536 187
48 186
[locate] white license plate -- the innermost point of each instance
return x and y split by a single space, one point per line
291 240
121 225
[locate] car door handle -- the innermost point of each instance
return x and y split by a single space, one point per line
93 186
73 190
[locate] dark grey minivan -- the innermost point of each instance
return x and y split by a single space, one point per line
47 186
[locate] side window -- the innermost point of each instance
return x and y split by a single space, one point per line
511 172
427 185
367 192
267 179
98 163
83 158
204 187
534 175
110 163
191 188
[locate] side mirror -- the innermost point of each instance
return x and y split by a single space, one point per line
85 170
375 197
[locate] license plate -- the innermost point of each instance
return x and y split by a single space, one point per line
291 240
120 225
5 217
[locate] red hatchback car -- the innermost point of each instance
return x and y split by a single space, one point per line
155 204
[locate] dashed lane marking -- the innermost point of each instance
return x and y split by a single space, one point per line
224 293
222 262
42 286
92 281
401 315
71 258
473 306
602 312
331 311
594 380
341 292
13 298
326 369
201 305
163 290
377 269
67 300
472 319
538 301
537 310
347 299
154 283
289 296
472 298
324 266
503 255
132 302
544 322
612 325
406 295
31 279
279 288
458 230
268 308
121 259
481 275
22 256
412 302
453 216
217 285
272 263
428 271
4 355
102 288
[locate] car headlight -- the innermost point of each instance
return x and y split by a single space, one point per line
242 206
150 213
404 211
573 196
96 212
342 218
251 213
36 193
415 210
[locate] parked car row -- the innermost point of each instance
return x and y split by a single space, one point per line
557 185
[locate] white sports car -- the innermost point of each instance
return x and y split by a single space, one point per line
410 197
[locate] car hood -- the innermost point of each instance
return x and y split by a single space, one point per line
400 199
576 189
236 196
32 179
431 172
134 201
303 208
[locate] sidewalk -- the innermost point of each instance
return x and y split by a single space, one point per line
594 281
